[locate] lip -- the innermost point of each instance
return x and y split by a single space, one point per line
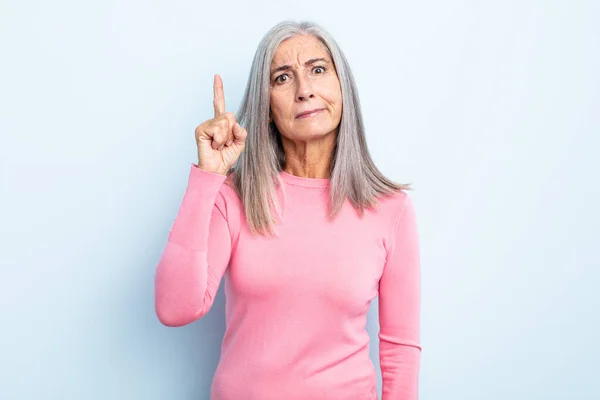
305 114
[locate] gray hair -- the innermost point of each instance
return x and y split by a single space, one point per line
255 174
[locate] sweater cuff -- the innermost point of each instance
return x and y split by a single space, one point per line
209 181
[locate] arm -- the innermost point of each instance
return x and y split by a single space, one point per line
188 275
399 310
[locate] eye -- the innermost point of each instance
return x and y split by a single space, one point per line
277 80
319 67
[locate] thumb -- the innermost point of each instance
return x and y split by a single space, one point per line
238 132
234 129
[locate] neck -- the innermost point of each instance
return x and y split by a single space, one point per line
309 158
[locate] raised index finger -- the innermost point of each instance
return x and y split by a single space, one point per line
219 96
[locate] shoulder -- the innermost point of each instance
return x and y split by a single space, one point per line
397 211
394 204
402 209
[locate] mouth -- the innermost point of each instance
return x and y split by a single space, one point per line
309 113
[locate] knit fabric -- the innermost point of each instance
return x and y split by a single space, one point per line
296 303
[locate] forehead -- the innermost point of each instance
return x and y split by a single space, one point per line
298 49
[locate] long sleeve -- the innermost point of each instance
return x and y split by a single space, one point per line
188 274
399 310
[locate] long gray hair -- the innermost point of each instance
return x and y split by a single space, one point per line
255 175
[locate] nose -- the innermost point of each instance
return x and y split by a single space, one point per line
304 88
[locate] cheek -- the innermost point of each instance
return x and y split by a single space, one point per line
279 106
334 94
336 103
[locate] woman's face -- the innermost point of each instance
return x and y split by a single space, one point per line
303 78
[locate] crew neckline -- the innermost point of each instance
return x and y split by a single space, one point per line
302 181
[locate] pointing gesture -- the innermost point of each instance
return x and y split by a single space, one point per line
220 140
219 96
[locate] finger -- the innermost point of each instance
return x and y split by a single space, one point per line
235 132
231 124
239 133
219 96
225 123
218 134
217 144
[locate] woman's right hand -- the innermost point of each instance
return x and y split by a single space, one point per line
220 140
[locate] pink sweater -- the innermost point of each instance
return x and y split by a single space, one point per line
296 304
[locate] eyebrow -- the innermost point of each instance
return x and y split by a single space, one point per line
307 63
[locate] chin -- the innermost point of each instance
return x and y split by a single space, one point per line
314 132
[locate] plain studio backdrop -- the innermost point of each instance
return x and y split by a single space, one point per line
490 109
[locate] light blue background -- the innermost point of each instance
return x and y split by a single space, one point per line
491 109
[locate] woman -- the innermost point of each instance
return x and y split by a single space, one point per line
292 211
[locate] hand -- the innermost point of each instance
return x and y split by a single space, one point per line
220 140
